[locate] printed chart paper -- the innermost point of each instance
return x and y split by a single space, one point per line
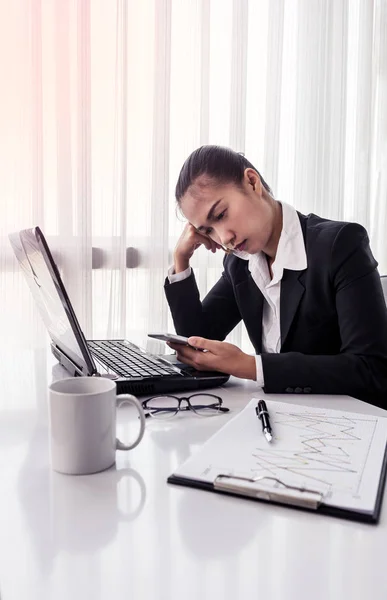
336 453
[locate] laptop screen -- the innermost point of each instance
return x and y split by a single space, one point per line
44 281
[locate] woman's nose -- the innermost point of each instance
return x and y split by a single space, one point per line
228 239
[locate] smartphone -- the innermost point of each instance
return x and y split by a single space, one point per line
170 337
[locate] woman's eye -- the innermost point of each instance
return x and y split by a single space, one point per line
220 216
208 230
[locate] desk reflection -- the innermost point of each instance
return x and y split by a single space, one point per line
182 434
225 526
86 511
79 514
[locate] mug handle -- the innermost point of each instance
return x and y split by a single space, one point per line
141 483
128 399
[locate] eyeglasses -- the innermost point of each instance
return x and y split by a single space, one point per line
165 407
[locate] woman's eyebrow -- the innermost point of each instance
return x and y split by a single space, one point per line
210 215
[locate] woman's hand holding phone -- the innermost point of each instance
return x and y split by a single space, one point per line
188 242
215 356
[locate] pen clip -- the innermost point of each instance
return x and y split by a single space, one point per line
261 408
261 412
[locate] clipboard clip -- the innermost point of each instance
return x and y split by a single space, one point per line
283 493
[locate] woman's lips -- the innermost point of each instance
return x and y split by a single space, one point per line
241 246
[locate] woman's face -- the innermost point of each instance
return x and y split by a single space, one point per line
241 219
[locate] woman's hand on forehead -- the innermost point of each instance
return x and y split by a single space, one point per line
218 245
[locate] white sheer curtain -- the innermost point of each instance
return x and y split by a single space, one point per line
103 100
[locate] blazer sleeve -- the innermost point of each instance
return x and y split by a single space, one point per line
360 369
213 318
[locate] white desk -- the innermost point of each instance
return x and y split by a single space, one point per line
126 533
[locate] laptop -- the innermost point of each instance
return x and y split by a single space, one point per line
134 370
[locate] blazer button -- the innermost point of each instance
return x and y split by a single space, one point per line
298 390
307 390
289 390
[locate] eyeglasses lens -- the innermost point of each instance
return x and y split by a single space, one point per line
205 405
162 407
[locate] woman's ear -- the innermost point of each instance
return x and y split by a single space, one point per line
252 178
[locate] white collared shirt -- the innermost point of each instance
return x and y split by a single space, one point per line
290 255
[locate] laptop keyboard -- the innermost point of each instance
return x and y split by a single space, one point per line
127 360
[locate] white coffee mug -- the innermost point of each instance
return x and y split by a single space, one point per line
83 424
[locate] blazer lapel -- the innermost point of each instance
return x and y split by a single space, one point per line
292 290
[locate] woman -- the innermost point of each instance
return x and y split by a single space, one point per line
307 288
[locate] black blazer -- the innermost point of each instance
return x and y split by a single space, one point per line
333 315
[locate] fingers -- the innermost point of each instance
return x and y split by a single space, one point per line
197 360
197 342
210 244
204 344
202 238
189 355
215 246
206 241
182 350
182 355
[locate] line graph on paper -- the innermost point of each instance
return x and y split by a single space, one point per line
326 450
333 452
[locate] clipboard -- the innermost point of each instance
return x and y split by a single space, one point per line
369 455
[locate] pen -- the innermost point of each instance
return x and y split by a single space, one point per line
263 414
